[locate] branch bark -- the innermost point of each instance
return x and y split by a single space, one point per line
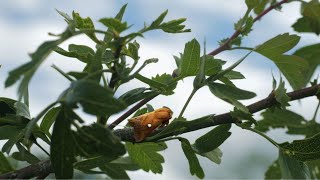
43 168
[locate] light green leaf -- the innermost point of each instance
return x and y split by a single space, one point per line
159 20
49 119
214 155
84 24
62 147
213 139
231 94
114 24
27 70
292 168
194 165
22 110
273 172
281 95
252 3
190 62
312 55
146 155
303 150
174 26
94 98
5 166
314 168
278 45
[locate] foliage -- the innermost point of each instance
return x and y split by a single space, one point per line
97 149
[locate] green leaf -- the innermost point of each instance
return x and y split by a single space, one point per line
13 140
62 146
24 155
5 166
303 150
126 163
119 16
81 52
92 163
132 51
7 106
252 3
273 172
22 110
231 94
114 171
93 98
281 95
261 6
49 119
310 22
194 165
293 68
159 20
163 83
214 155
314 168
281 118
146 155
278 45
174 26
97 140
190 62
27 70
312 55
291 168
136 95
8 131
234 75
175 127
84 24
114 24
213 139
247 28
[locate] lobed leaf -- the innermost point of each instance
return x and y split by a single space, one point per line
146 155
190 62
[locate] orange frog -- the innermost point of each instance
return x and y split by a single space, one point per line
145 124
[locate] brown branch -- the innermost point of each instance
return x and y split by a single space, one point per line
226 45
223 47
44 168
35 170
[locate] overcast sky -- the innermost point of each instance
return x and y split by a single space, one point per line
25 25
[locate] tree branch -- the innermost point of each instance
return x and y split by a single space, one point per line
43 168
223 47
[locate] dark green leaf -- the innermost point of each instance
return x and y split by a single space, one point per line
13 140
126 163
190 62
231 94
24 155
291 168
4 164
81 52
168 81
281 95
22 110
146 155
252 3
273 171
175 127
114 171
49 119
194 165
92 163
93 98
9 131
7 106
310 22
98 140
27 70
62 146
312 55
213 139
303 150
136 95
278 45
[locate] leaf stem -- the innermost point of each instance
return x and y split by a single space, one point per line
316 112
42 148
187 102
61 72
260 133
